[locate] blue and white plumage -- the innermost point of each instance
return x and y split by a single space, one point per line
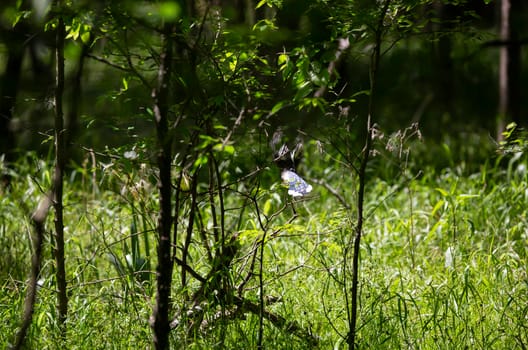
297 187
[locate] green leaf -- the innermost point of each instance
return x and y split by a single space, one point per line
201 160
125 84
206 141
303 90
283 59
262 3
219 147
13 16
437 207
85 38
461 198
278 106
233 64
442 191
264 24
219 127
267 207
73 31
89 124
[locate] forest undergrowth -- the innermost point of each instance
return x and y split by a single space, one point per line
443 261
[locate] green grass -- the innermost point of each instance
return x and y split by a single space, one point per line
443 264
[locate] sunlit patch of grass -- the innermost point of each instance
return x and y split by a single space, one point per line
446 275
443 265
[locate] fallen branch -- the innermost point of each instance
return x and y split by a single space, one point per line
278 321
244 306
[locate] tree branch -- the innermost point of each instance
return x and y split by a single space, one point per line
39 219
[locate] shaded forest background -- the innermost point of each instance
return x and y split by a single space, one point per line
440 69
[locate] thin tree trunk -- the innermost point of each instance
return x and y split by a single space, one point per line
374 65
249 12
161 324
39 219
58 177
55 199
509 66
189 233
